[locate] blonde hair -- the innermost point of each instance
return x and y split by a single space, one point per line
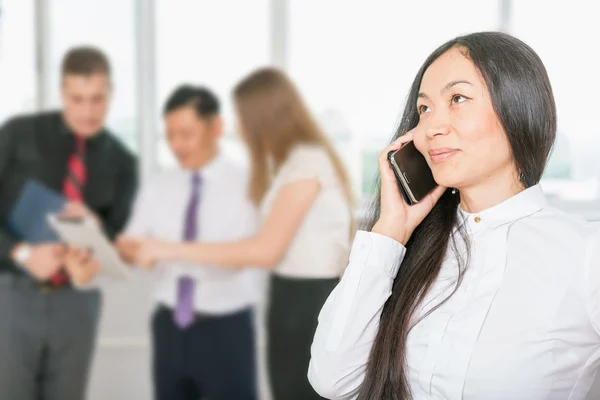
275 120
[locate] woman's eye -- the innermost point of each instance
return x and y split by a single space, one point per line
422 109
458 98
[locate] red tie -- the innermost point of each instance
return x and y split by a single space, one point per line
73 190
76 172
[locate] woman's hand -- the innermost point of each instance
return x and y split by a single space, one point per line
146 251
128 249
397 219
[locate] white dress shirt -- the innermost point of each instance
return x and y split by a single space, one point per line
321 245
523 325
225 214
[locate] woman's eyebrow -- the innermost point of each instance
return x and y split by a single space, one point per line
448 86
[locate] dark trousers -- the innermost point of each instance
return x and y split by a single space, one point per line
46 340
213 359
291 323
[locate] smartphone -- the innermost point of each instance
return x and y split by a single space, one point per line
414 176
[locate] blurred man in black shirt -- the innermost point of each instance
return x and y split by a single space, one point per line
48 318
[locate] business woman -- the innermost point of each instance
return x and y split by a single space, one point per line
305 198
482 290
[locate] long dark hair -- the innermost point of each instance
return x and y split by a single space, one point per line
522 98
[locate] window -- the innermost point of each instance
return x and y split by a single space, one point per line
568 52
211 43
17 58
109 25
354 62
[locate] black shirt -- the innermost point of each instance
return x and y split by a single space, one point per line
38 147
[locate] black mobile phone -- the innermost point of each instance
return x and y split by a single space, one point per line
413 174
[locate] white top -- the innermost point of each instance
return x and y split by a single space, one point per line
321 245
524 324
225 214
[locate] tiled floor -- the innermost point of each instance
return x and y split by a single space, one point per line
120 374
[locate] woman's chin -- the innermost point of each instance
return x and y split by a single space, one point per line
447 177
449 183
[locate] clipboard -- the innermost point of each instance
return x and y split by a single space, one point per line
86 234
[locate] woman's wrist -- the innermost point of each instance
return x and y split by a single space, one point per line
392 229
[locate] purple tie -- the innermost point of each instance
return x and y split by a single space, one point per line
184 311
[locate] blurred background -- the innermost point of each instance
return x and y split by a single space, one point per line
353 60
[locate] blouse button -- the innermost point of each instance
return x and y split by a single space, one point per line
477 220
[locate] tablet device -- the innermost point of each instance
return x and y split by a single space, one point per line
85 233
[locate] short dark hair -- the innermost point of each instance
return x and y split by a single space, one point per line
85 60
203 100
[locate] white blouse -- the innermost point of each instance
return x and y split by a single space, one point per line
321 245
524 324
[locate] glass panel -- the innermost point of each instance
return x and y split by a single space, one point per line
17 58
109 25
355 61
211 43
568 49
